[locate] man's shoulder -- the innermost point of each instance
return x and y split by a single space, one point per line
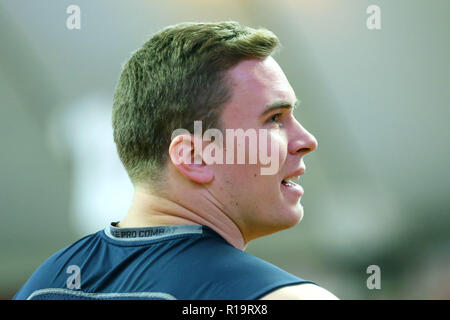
304 291
240 274
53 272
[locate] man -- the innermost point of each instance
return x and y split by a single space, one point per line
191 218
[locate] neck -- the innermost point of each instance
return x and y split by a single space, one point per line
149 209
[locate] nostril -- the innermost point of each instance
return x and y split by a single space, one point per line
305 150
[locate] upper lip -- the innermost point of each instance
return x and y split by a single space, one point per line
296 173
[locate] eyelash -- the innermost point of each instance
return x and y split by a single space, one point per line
278 115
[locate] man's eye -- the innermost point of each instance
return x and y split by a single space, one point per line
275 118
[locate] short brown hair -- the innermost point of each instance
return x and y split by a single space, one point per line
175 78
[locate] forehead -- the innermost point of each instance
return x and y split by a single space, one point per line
255 84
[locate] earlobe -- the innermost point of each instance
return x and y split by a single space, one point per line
182 156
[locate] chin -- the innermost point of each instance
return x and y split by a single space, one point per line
295 216
289 219
284 218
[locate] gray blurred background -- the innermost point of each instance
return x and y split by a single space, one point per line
377 188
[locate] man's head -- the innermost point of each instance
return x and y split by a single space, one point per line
222 74
177 77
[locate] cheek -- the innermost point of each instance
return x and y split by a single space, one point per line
274 150
236 178
281 141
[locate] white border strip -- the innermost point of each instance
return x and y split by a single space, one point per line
167 231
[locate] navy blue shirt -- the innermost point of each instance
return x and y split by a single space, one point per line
187 262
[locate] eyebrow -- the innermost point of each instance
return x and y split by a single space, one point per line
280 105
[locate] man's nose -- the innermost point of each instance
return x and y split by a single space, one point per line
302 141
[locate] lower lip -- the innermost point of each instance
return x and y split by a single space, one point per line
293 189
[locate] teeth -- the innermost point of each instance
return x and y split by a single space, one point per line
291 180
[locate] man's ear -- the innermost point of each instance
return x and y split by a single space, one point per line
188 160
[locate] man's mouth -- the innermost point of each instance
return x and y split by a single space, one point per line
290 182
291 185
